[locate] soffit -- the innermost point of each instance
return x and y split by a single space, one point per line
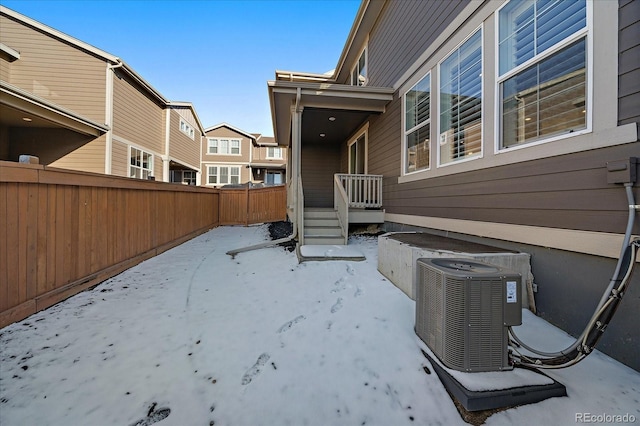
16 104
350 105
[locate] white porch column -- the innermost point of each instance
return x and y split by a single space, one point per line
296 136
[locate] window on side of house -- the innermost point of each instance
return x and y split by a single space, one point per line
460 96
542 70
140 164
222 175
274 152
417 126
359 71
223 146
187 129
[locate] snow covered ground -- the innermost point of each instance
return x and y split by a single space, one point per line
258 340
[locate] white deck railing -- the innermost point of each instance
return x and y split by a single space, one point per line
341 205
363 191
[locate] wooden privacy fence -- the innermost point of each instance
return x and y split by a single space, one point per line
62 231
256 205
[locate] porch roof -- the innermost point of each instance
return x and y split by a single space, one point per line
348 105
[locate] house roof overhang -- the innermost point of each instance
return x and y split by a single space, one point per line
19 108
348 105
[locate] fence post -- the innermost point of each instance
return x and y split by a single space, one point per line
247 215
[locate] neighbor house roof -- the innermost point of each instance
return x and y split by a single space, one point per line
114 60
229 126
193 110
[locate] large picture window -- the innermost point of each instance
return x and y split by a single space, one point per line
417 126
223 146
222 175
140 164
461 102
543 69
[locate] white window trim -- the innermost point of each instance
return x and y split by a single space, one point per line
586 33
403 155
362 132
365 51
605 130
209 139
129 165
187 128
483 109
219 166
274 157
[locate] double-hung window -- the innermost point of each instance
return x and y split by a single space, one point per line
223 146
417 126
222 175
542 69
460 93
359 71
274 152
140 164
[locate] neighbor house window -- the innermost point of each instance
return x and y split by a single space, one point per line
274 152
273 178
140 164
223 146
417 126
542 69
222 175
187 129
461 102
359 71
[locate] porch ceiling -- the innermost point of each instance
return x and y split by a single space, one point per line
22 109
349 105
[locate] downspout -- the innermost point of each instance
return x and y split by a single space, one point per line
108 115
295 158
167 138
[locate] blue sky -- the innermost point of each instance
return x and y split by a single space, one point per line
218 55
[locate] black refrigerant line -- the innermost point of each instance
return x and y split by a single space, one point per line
603 314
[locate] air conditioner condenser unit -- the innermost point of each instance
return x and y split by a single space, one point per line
463 309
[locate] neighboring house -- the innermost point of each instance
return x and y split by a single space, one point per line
233 156
77 107
268 161
488 121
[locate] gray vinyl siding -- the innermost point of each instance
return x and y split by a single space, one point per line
56 71
392 52
568 192
384 141
629 62
318 164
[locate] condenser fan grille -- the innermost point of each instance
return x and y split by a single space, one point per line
460 312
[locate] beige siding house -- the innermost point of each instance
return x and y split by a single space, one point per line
234 156
77 107
487 121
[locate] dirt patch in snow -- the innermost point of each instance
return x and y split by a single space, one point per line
282 229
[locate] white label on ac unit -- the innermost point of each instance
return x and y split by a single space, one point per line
512 292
